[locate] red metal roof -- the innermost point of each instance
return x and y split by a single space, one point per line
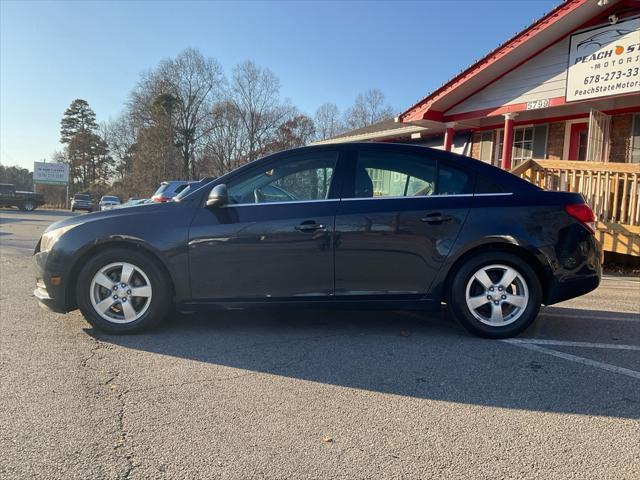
507 56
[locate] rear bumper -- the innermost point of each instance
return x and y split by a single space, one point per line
571 288
578 270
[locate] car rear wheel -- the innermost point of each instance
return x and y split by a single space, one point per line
28 206
495 295
123 291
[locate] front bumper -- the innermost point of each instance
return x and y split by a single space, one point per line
49 296
45 301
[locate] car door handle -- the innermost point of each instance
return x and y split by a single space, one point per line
436 218
310 226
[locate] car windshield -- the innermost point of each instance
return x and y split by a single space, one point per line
81 197
110 199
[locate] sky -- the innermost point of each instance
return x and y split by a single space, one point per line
53 52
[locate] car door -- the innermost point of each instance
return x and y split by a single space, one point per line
274 238
394 232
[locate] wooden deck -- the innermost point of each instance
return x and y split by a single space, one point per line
611 189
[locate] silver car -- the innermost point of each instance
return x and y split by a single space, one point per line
108 202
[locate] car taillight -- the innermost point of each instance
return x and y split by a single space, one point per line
583 213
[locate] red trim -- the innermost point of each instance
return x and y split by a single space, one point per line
493 112
560 118
520 107
574 139
417 111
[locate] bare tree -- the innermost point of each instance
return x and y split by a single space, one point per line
186 88
295 132
327 121
255 91
368 108
226 142
120 136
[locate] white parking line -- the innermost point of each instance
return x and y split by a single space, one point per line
563 343
586 316
574 358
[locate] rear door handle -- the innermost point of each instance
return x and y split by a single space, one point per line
436 218
310 226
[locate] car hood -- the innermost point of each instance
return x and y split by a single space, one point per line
105 214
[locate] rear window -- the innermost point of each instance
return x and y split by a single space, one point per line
163 186
485 185
180 188
81 197
453 181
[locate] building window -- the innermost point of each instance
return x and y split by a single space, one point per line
485 140
634 155
528 142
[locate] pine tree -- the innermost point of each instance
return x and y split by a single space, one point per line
77 119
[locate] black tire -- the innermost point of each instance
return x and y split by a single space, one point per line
457 291
160 304
73 210
28 206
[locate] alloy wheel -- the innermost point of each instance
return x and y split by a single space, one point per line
497 295
120 292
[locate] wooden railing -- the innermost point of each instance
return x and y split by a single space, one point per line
611 189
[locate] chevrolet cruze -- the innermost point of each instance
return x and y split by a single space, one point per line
364 225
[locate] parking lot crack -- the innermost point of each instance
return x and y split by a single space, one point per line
115 389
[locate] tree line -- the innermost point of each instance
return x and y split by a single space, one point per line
186 120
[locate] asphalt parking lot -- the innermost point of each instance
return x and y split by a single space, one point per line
320 394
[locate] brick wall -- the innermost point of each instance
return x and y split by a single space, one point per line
555 141
475 146
620 143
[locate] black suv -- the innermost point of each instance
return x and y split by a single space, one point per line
82 201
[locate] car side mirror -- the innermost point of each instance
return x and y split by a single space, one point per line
218 196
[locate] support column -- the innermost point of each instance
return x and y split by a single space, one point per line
448 136
507 141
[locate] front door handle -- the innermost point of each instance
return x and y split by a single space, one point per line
436 218
310 226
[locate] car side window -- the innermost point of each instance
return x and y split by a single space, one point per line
381 174
453 181
303 178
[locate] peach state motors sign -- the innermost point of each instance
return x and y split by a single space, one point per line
604 61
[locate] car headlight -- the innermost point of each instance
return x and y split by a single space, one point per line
50 238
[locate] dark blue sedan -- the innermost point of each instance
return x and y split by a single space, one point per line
365 225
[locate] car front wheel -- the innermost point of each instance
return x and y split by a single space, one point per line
123 291
495 295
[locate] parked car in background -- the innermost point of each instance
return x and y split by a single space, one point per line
132 202
82 201
10 197
107 202
371 225
169 190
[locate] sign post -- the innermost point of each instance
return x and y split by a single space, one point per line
52 174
